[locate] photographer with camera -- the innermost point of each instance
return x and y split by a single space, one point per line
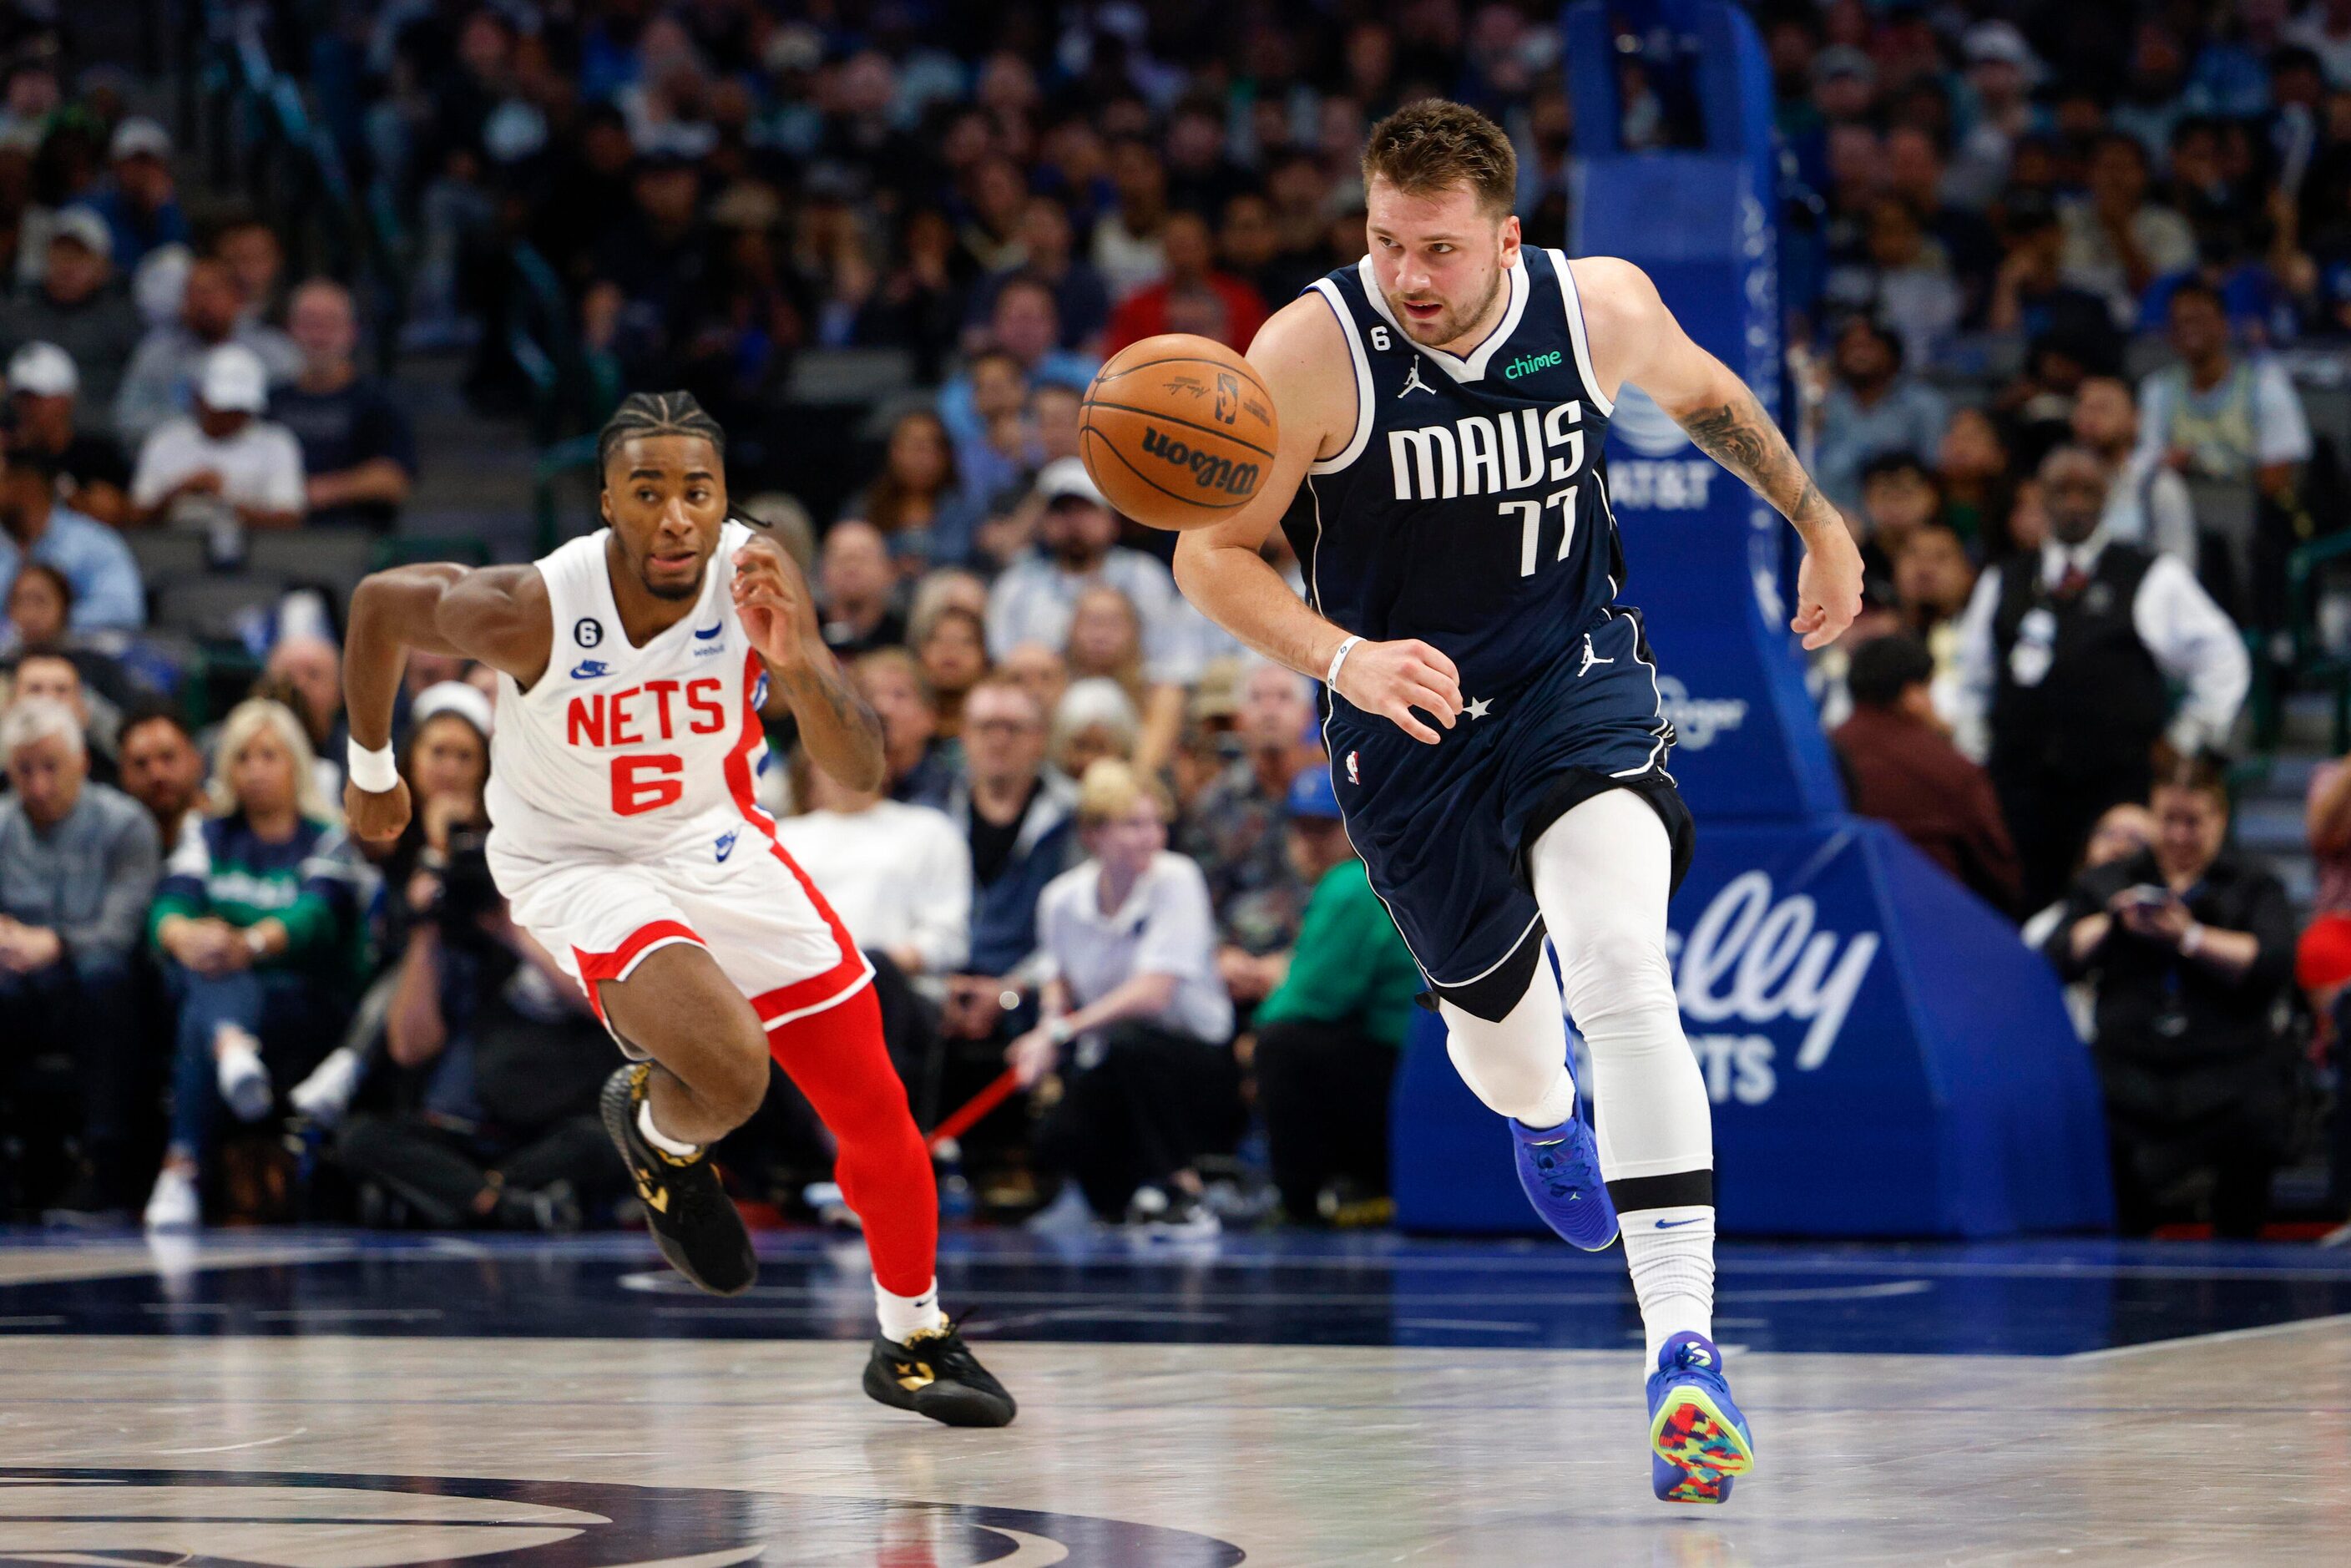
505 1056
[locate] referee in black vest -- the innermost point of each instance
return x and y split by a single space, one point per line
2068 662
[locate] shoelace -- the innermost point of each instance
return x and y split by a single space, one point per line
1568 1164
944 1346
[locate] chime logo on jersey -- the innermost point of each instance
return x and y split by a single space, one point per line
1488 455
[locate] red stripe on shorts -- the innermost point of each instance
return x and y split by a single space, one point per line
615 965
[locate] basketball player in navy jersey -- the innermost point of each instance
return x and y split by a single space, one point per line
1497 737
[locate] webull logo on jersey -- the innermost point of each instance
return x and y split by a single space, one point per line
1209 471
1697 721
1488 455
1754 960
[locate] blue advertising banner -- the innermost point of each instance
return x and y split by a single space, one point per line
1883 1056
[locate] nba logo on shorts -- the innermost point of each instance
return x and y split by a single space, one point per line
1353 776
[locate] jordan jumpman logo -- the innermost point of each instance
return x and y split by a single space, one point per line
1411 382
1590 658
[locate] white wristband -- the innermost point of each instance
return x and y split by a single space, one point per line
1331 675
372 771
2192 940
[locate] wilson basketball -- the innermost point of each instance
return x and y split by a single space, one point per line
1178 430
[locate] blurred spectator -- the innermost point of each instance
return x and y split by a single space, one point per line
87 470
1015 818
1077 547
359 454
899 876
2324 30
1093 722
1904 770
1249 245
256 920
2192 950
2322 958
1024 325
2031 299
2000 73
1237 309
1871 409
305 672
224 467
950 643
1328 1035
38 607
1900 495
162 770
1048 254
140 202
2064 661
917 501
1038 671
1902 276
53 674
2146 503
2117 242
921 768
77 864
256 261
1127 248
1135 1020
1974 473
80 308
161 380
995 457
35 526
2232 428
857 592
1933 581
446 766
1235 828
1106 643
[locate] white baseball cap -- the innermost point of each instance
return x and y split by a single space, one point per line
139 136
43 369
452 696
233 379
85 228
1066 477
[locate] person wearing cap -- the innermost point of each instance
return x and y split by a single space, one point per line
1328 1035
1235 828
79 304
226 456
140 202
35 525
359 451
161 379
1076 548
88 468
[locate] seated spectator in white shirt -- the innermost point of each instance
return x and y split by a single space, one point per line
1136 1021
2146 502
162 377
227 462
898 875
1036 596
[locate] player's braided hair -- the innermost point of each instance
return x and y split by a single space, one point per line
657 413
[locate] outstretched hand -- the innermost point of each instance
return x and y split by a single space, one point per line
1828 591
777 611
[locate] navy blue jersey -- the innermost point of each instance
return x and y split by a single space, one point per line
1469 510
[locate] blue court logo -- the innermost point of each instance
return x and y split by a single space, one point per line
589 669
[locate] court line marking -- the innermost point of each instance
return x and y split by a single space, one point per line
233 1448
2222 1337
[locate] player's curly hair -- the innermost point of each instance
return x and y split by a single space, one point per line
657 413
1425 149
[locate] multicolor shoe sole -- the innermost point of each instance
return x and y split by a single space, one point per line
1692 1436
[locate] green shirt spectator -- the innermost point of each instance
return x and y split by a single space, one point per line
1350 966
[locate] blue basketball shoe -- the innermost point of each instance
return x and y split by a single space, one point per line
1559 1169
1698 1440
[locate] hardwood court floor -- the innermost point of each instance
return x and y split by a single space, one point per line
326 1402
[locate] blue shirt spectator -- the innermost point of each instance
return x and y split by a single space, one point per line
1871 409
141 204
35 526
359 452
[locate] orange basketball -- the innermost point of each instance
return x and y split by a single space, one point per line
1178 430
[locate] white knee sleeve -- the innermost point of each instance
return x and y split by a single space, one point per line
1603 874
1519 1066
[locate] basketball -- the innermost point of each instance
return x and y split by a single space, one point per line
1178 430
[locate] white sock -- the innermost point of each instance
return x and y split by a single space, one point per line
902 1316
1557 1106
653 1135
1670 1252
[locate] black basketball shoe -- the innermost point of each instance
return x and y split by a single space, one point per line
935 1373
693 1221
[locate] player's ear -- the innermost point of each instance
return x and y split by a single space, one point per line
604 504
1510 240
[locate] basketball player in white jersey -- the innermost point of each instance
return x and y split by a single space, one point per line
627 839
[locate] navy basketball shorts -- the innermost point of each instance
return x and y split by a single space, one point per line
1445 830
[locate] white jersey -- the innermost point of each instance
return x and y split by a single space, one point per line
624 752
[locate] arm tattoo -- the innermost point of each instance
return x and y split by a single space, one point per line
1741 437
849 708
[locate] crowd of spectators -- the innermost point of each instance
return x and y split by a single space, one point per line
2051 279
